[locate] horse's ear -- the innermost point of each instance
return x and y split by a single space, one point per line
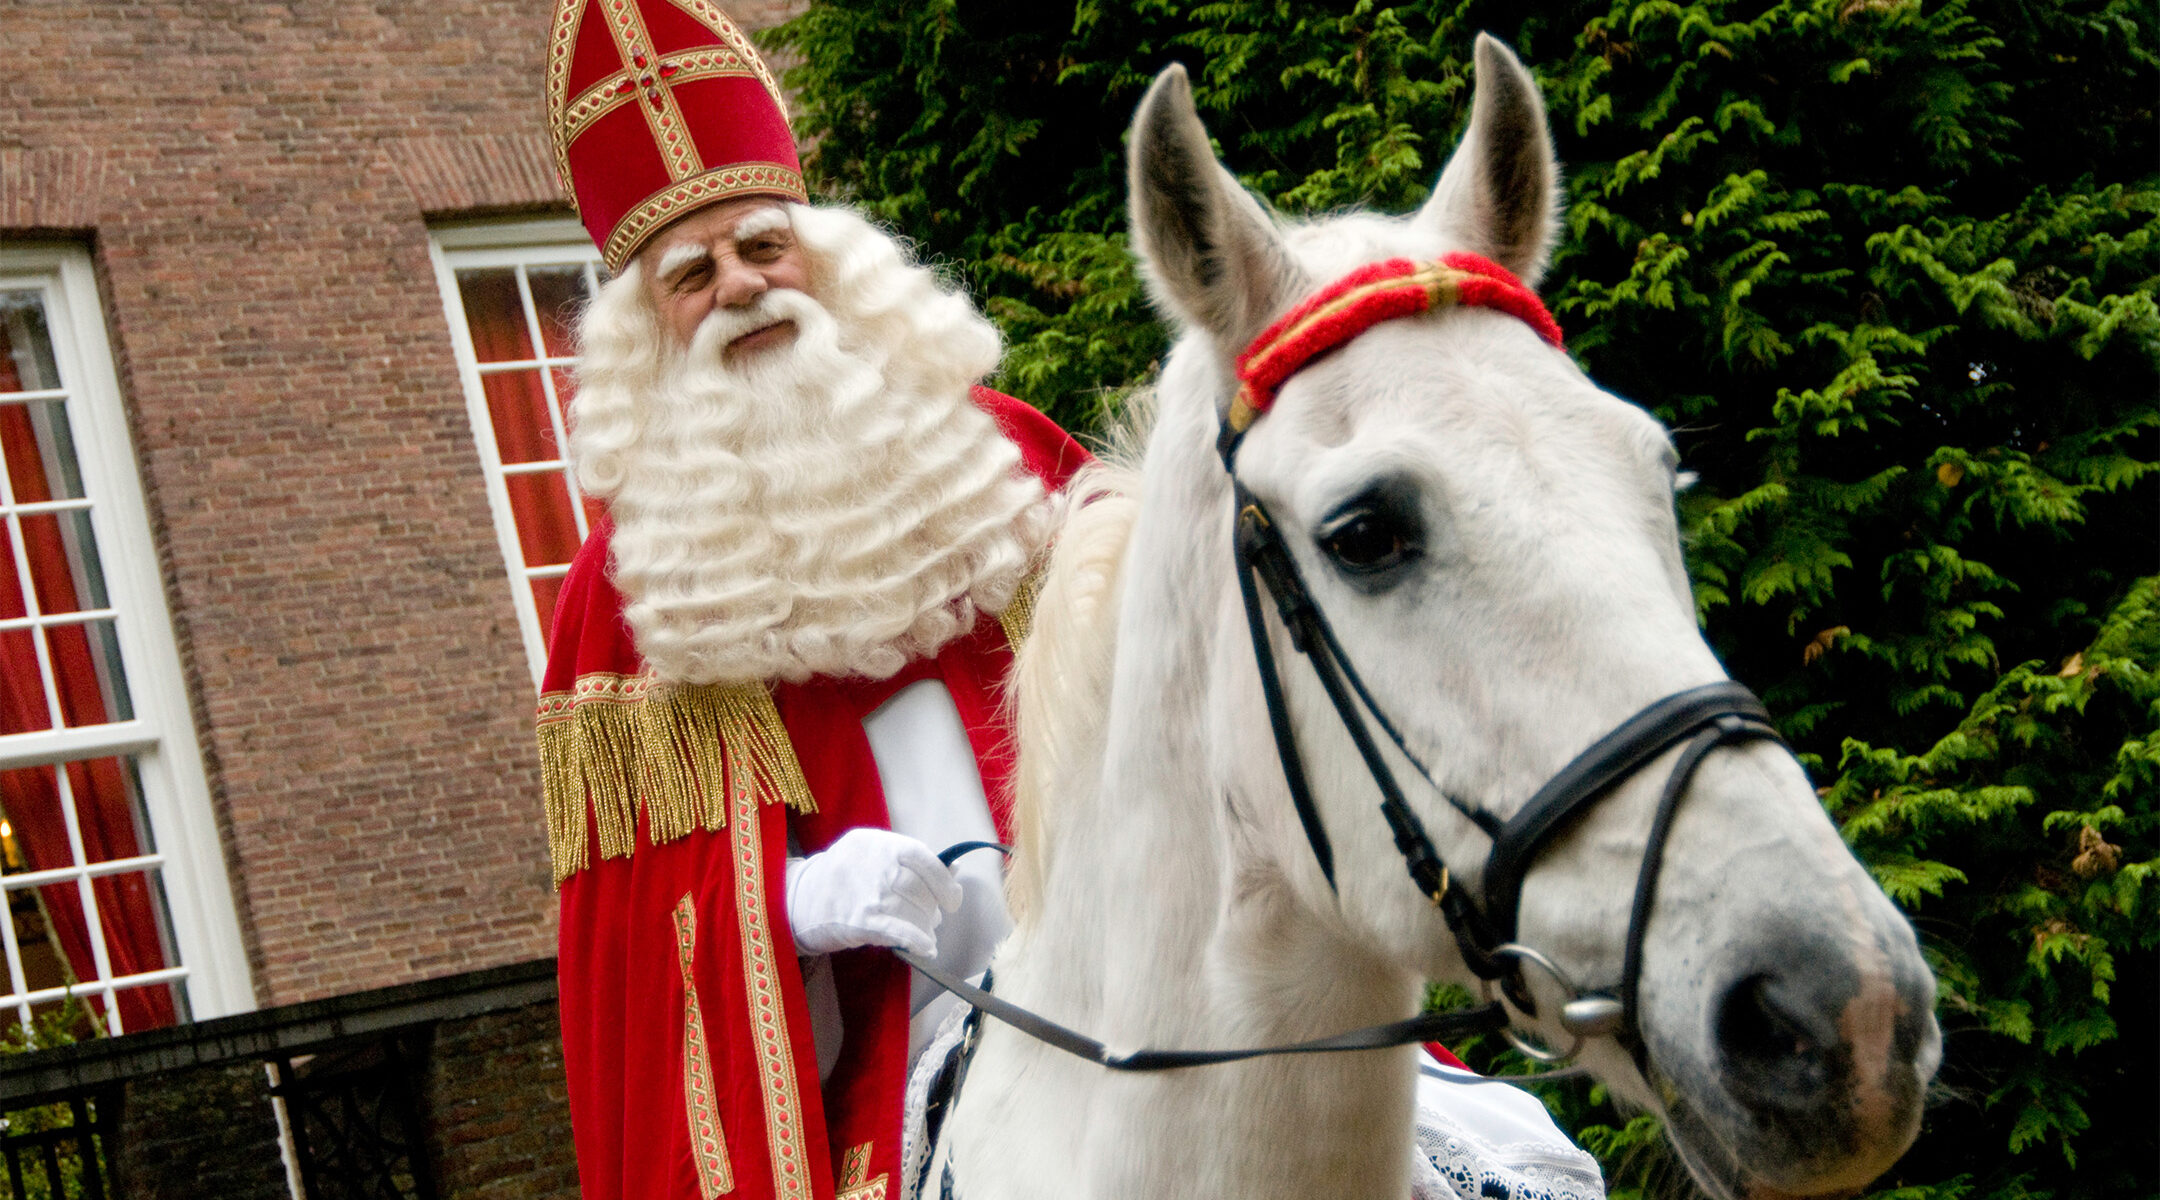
1499 195
1212 256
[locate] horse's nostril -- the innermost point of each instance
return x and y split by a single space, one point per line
1778 1052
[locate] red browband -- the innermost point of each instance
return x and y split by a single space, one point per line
1377 292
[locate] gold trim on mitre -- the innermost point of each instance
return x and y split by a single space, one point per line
616 746
562 46
709 15
712 186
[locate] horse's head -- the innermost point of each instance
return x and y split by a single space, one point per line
1493 539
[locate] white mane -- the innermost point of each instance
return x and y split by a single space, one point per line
1061 677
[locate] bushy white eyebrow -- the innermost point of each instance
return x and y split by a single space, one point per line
680 256
764 220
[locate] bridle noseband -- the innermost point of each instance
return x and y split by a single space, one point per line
1699 719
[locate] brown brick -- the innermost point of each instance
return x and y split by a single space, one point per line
252 180
54 189
478 174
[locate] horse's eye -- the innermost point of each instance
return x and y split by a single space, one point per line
1364 541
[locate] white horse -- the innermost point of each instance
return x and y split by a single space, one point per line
1493 539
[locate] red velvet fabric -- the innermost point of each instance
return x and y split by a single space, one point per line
622 996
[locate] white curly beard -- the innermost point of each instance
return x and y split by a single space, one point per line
835 506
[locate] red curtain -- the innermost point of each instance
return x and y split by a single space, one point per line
104 807
518 409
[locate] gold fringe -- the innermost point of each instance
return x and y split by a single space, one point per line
1019 616
618 745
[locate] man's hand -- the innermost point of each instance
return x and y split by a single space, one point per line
872 887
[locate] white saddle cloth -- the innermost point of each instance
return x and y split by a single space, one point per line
1492 1141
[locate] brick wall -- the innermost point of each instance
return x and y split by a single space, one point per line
254 180
166 1150
497 1111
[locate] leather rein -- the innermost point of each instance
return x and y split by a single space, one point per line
1699 719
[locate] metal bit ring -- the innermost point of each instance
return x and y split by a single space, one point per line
1583 1017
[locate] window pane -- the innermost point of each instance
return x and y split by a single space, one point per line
106 799
108 809
27 365
557 291
547 532
63 562
494 314
88 673
146 1005
518 407
40 451
23 705
132 933
44 963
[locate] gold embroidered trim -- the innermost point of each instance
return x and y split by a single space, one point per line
662 115
708 1143
618 745
562 45
761 984
610 93
713 62
1019 616
592 104
709 15
854 1166
715 185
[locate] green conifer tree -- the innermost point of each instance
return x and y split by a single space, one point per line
1888 267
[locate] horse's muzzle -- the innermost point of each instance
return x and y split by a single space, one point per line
1825 1050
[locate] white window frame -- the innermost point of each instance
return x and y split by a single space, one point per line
161 737
551 241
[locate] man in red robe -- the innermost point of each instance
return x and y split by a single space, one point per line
773 686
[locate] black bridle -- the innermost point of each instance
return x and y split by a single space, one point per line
1703 718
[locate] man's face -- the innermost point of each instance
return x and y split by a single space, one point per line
725 256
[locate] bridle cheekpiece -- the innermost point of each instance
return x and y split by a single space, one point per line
1700 719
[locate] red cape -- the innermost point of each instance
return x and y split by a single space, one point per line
686 1037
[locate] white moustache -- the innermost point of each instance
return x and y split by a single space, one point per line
723 325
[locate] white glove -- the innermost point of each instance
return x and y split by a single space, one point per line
872 887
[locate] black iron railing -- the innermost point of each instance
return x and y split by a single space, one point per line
355 1124
57 1151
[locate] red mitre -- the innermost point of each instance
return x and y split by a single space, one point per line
659 108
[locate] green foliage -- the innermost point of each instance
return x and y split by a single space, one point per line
1888 267
58 1025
